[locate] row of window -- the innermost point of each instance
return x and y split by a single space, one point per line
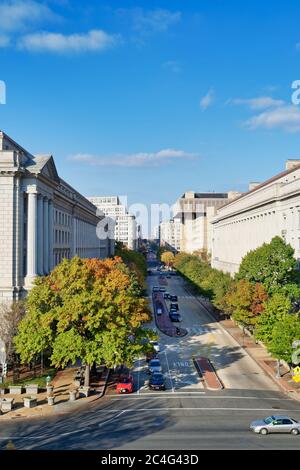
59 255
61 218
62 237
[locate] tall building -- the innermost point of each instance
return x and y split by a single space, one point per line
267 210
194 211
170 234
42 220
126 230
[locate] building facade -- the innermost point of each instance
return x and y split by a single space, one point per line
170 234
126 229
269 209
195 211
42 220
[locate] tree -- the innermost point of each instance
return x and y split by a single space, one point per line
10 316
273 264
85 310
136 263
168 258
275 309
284 333
245 301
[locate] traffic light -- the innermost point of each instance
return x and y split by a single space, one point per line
4 370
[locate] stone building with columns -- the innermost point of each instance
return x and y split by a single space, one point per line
268 209
42 220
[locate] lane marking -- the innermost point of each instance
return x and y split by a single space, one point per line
163 395
169 372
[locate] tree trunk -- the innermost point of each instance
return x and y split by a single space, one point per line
87 375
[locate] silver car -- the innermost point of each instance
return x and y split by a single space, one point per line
278 424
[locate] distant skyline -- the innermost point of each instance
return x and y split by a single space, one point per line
153 99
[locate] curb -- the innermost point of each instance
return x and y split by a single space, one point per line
59 408
294 395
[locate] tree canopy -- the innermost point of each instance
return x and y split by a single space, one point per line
86 309
273 264
168 258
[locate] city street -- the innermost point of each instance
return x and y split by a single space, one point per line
186 415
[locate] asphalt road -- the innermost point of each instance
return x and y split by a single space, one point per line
186 415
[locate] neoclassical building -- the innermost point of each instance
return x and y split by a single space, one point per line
42 220
269 209
194 211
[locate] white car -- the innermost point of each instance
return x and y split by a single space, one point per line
155 346
159 311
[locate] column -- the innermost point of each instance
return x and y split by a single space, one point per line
31 239
46 236
50 223
40 235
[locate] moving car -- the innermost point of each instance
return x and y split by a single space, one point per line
125 384
157 382
174 316
155 346
276 424
154 366
173 298
174 307
155 289
166 295
162 289
159 311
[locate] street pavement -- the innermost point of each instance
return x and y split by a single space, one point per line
186 415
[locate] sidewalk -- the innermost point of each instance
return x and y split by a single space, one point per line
257 351
63 382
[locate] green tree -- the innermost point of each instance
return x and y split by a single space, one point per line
273 264
276 308
284 333
85 310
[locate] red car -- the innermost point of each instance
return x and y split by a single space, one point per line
125 384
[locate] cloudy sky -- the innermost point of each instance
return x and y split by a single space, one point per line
151 99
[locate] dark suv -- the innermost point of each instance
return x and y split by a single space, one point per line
173 298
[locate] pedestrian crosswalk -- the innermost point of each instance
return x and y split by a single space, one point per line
203 330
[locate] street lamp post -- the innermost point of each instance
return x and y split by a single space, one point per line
278 374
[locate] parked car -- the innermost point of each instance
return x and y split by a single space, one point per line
162 289
173 298
155 289
157 382
166 295
174 307
276 424
159 311
174 316
155 346
154 366
125 384
151 355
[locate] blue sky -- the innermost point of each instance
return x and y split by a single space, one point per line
151 99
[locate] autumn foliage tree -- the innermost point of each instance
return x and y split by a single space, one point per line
245 301
87 310
168 258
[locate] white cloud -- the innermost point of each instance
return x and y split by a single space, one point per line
261 102
172 65
285 117
132 160
4 40
95 40
18 14
148 22
207 100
